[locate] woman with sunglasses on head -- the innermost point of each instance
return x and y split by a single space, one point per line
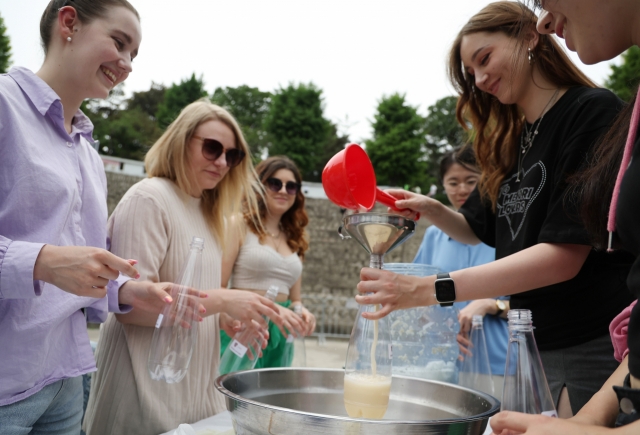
535 117
273 254
198 175
55 271
609 188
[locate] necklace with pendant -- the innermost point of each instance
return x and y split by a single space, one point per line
276 237
529 135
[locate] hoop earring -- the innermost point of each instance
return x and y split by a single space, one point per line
530 56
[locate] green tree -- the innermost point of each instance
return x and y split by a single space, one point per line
122 130
442 132
624 78
177 97
335 143
297 127
148 101
396 150
5 48
250 107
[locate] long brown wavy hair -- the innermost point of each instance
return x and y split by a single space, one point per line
294 220
497 127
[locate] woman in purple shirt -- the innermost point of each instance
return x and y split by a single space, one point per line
54 266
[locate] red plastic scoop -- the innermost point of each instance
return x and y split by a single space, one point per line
350 182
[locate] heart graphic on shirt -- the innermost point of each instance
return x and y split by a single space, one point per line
514 206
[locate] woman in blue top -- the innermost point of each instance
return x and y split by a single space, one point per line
459 176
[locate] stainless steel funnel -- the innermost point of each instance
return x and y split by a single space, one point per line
378 233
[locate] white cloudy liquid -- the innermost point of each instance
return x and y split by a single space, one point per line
366 396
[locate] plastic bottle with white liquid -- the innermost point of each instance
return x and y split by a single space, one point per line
367 377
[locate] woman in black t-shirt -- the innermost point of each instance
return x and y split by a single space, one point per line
600 30
535 117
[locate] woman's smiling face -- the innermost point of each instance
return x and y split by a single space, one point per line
488 57
597 30
102 52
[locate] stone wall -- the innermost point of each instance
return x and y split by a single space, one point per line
332 265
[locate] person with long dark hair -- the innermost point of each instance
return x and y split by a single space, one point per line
272 254
608 190
535 117
459 174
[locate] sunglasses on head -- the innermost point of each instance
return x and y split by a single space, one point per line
213 149
275 185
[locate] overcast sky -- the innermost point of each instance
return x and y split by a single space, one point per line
355 51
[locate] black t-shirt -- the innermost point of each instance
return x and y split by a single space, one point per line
628 230
538 210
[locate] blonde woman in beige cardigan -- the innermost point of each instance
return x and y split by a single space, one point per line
198 175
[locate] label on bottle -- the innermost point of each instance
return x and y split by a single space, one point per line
290 338
238 348
159 321
551 413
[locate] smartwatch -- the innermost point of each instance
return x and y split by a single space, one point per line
445 290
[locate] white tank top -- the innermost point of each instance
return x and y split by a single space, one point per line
260 266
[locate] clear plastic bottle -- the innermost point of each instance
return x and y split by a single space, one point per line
425 338
475 371
295 353
244 350
176 330
440 333
525 384
367 377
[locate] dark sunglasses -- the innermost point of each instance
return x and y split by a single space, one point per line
275 185
213 149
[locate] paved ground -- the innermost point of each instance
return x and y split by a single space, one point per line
331 354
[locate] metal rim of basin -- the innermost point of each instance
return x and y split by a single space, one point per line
495 408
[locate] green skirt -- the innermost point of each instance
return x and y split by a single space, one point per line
274 354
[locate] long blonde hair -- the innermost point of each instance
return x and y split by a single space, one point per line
167 158
496 126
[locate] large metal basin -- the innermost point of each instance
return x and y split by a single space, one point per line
310 401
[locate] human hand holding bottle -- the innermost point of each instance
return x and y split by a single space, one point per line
393 291
309 321
81 270
246 306
293 323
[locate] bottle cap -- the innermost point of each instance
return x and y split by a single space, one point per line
197 242
272 292
476 320
520 318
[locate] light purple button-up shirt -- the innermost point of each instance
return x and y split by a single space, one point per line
52 191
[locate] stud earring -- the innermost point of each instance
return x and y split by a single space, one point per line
530 56
69 38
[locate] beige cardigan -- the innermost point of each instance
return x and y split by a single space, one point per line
154 223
